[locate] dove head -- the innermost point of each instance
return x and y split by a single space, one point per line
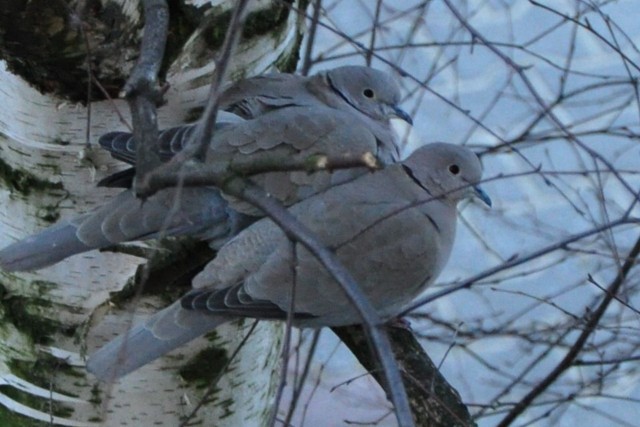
372 92
448 171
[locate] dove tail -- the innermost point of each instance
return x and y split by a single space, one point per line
203 214
143 343
42 249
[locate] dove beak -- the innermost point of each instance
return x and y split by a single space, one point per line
401 114
479 192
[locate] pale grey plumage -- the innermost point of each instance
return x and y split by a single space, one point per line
202 213
294 116
341 88
393 229
294 133
372 96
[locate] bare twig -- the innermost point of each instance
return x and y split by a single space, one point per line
517 261
207 124
374 30
589 28
297 386
286 347
371 321
142 91
193 174
538 98
592 322
311 37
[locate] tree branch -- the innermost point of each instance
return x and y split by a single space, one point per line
517 261
372 323
194 174
208 122
141 90
546 110
435 403
593 319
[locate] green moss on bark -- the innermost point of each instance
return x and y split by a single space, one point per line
205 366
24 182
19 311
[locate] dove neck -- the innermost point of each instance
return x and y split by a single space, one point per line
388 150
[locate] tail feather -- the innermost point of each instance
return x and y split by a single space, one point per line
203 214
148 341
43 249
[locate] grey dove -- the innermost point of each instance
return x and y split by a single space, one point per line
334 124
393 229
370 96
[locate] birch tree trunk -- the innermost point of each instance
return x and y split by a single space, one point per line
48 169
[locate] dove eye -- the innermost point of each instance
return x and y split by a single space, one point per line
368 93
454 169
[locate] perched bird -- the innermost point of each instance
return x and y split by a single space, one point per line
371 97
393 229
341 111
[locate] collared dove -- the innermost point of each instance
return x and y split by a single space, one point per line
341 111
370 96
203 212
393 229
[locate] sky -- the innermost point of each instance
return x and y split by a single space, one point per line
552 112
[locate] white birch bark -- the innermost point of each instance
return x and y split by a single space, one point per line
47 172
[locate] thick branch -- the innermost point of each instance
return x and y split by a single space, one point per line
156 24
434 402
